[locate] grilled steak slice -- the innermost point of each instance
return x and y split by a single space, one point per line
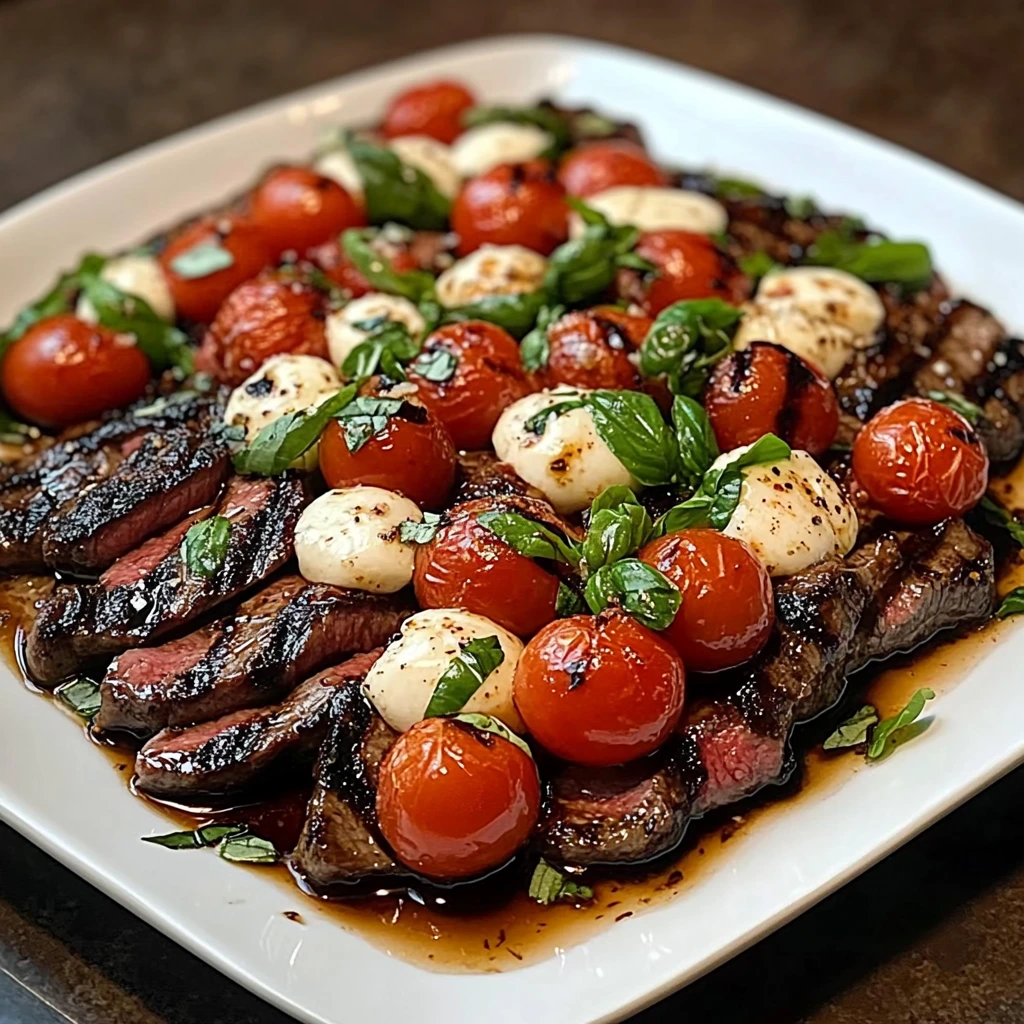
277 638
339 843
230 753
484 475
149 592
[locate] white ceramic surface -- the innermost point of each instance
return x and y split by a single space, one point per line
65 796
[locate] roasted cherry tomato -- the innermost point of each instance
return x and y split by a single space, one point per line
296 208
273 313
766 389
467 566
920 462
434 109
199 297
332 259
512 204
596 166
728 609
62 371
455 801
486 377
591 348
412 455
690 266
599 689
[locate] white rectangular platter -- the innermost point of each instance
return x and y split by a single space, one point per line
65 796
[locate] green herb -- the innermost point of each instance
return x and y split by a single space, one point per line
57 300
13 432
487 723
208 835
800 207
530 538
414 285
248 849
632 426
438 366
538 422
465 674
364 417
891 732
757 264
876 260
995 514
615 533
548 885
736 188
638 589
82 696
205 546
589 125
698 447
612 498
411 532
970 412
515 313
289 437
535 349
568 602
545 118
388 345
202 260
854 731
1012 604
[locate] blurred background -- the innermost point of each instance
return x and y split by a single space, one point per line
932 934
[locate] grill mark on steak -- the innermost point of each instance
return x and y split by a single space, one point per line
278 637
232 752
149 593
484 475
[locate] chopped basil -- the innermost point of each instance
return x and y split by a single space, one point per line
757 264
365 416
248 849
548 885
411 532
891 732
538 422
82 696
530 538
487 723
736 188
414 285
387 346
876 260
465 674
205 546
568 602
1012 604
638 589
970 412
800 207
535 349
698 447
202 260
437 366
615 533
515 313
208 835
854 731
545 118
995 514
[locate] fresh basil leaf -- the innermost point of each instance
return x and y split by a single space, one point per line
549 885
698 447
365 416
691 514
757 264
388 342
1012 604
13 432
568 602
414 285
487 723
970 412
995 514
535 349
82 696
530 538
800 207
767 448
632 426
638 589
612 498
205 546
615 533
876 260
248 849
411 532
202 260
538 422
736 188
545 118
587 124
396 191
438 366
465 674
854 731
886 736
287 438
515 313
208 835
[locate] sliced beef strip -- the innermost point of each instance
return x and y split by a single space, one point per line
232 752
149 593
484 475
279 636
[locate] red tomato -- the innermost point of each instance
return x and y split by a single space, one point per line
766 389
590 348
596 166
198 298
454 801
467 566
728 608
62 371
512 204
599 690
412 455
332 259
690 266
488 377
296 208
920 462
434 109
274 313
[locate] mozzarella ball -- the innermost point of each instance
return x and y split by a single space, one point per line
568 462
431 157
656 209
404 677
349 537
338 165
491 270
477 150
137 274
828 293
791 513
340 326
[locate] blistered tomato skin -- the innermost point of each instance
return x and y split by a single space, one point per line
467 566
63 371
727 609
199 298
488 378
454 801
599 690
597 166
920 462
591 349
768 389
434 109
512 204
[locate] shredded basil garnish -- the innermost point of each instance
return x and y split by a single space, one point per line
411 532
438 365
364 417
202 260
854 731
387 347
892 732
206 546
970 412
208 835
248 849
414 285
548 885
82 696
465 674
487 723
1012 604
995 514
535 349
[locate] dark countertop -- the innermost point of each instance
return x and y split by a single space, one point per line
931 934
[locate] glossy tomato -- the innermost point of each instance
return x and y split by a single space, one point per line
920 462
454 801
467 566
485 376
727 609
766 389
63 371
434 109
198 295
599 689
596 166
273 313
512 204
332 259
